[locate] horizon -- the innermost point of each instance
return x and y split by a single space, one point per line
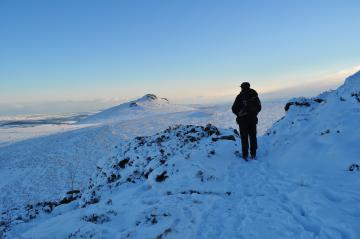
98 55
65 107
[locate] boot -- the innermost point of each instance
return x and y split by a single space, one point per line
245 157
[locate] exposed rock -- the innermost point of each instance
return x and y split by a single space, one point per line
97 218
356 95
226 137
287 106
151 96
354 167
161 177
133 104
123 163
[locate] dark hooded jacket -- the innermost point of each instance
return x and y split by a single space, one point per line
247 105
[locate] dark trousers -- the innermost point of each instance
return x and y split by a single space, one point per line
248 132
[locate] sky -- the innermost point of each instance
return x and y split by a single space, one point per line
185 50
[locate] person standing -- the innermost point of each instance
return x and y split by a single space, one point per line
246 107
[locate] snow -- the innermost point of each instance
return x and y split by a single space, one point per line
325 132
42 167
351 85
16 134
188 181
147 105
18 128
51 157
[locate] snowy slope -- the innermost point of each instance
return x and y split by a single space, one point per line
42 168
22 127
185 182
45 167
189 182
320 134
143 107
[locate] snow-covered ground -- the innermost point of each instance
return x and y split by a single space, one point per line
146 106
18 128
188 181
42 161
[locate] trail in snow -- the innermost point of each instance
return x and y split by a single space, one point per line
265 201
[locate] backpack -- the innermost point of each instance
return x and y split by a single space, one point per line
253 105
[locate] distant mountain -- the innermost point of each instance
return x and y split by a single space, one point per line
145 106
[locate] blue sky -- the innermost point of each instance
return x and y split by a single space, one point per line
87 50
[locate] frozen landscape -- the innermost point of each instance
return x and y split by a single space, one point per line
49 153
153 169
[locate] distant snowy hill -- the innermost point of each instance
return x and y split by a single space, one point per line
145 106
189 182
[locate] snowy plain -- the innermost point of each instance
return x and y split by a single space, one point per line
149 180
